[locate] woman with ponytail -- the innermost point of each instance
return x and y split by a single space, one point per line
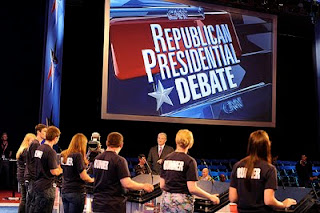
254 178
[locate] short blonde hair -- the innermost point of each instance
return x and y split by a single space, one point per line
184 138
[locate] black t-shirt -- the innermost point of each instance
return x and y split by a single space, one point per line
21 165
30 174
45 160
177 169
251 194
72 183
109 169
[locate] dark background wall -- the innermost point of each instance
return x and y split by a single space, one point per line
21 49
21 54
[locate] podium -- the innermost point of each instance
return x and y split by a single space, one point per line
217 187
137 199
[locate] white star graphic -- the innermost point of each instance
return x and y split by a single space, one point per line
162 95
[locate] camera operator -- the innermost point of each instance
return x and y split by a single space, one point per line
94 149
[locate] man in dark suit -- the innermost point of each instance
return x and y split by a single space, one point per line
304 171
158 153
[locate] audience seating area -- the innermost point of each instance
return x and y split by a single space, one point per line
287 175
216 167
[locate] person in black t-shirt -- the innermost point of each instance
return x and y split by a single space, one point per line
254 178
46 169
112 174
30 173
74 163
179 176
21 165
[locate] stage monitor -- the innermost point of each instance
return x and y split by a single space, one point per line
188 62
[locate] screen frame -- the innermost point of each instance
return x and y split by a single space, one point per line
110 116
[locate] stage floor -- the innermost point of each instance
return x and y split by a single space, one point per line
8 205
7 197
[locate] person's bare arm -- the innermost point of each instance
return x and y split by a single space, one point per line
85 177
233 195
195 190
162 183
270 200
56 171
128 183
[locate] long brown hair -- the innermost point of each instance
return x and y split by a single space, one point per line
78 144
259 148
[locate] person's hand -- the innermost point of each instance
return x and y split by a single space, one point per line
144 159
160 161
289 202
214 198
90 180
60 169
148 187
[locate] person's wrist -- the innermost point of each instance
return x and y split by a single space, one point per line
284 205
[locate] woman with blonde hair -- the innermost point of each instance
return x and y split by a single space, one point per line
74 163
254 178
178 177
21 165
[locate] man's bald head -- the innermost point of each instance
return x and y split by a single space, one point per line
205 172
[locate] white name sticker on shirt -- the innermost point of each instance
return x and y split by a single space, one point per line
173 165
68 163
242 173
101 164
38 154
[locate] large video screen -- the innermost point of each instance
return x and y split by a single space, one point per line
188 62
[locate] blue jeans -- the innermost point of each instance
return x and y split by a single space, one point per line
73 202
